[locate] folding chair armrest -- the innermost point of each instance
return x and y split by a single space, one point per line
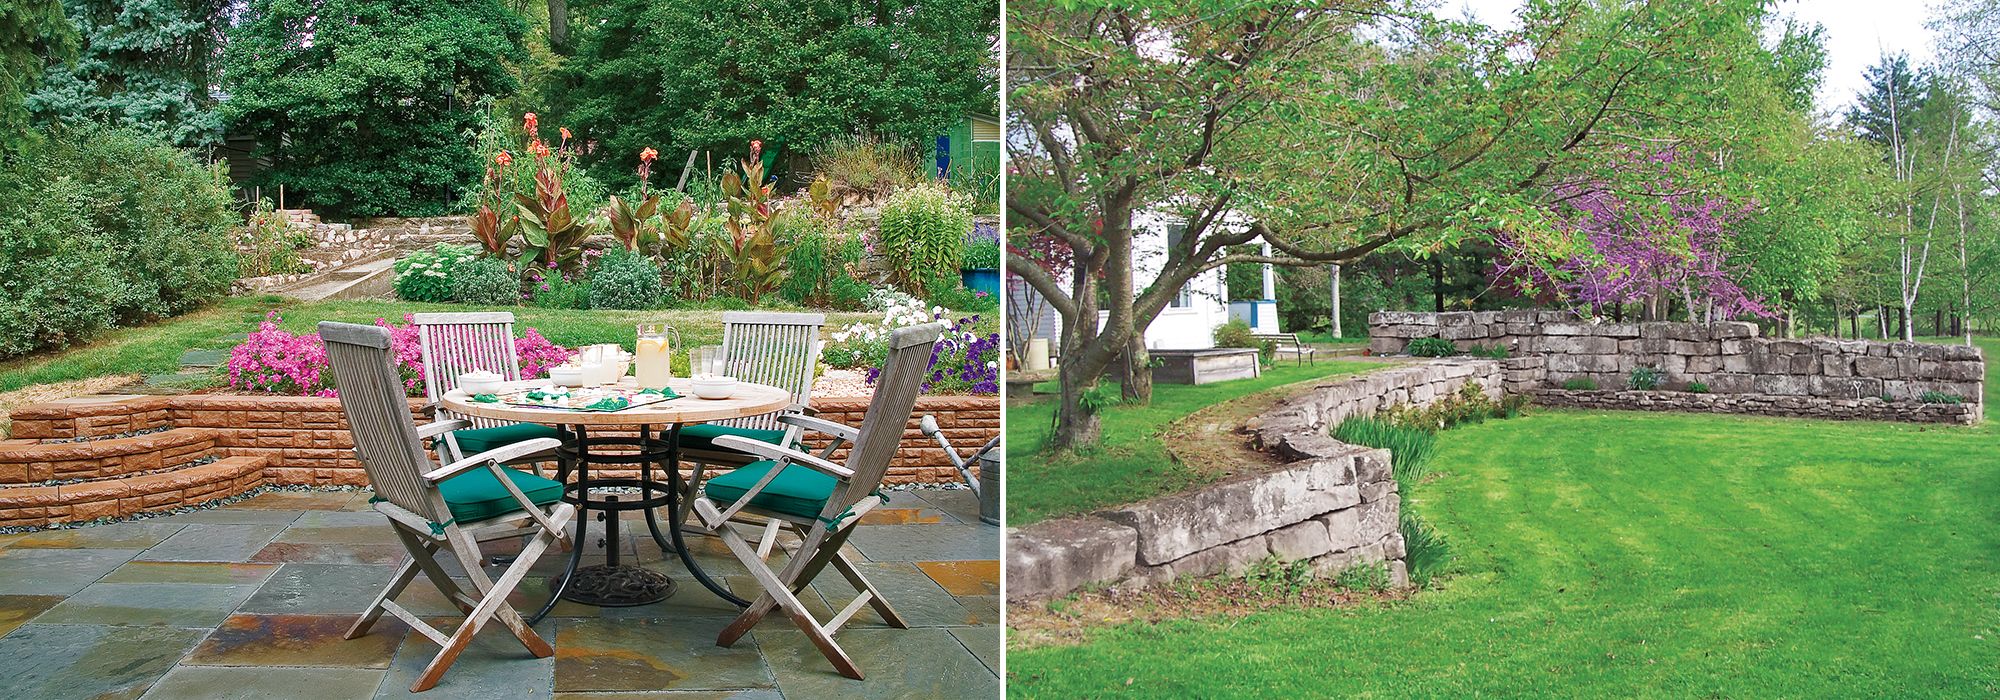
784 454
821 425
440 427
497 455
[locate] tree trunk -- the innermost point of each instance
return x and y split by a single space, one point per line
1336 302
1137 384
559 26
1437 282
1075 425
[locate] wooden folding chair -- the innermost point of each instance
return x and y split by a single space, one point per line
460 342
819 500
453 507
776 349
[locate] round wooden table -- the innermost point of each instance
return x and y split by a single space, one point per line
612 583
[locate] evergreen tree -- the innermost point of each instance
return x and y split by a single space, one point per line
32 33
1894 92
144 63
369 107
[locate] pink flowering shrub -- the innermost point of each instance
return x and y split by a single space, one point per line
537 354
278 362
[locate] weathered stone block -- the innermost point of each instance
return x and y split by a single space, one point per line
1379 518
1300 541
1846 387
1175 526
1732 329
1055 557
1872 366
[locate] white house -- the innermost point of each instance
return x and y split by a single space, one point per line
1189 321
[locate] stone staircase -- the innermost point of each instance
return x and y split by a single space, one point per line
104 456
345 262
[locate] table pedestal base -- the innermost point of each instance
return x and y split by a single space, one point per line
615 586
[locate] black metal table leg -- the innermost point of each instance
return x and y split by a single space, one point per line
675 493
559 583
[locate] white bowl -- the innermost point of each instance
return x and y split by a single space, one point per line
480 382
714 387
566 376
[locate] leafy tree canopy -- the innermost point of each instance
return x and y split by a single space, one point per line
704 74
368 107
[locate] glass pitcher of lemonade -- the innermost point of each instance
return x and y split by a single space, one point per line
653 363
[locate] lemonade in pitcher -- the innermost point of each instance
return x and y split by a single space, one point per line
653 362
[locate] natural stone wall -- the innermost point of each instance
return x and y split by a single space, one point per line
38 505
1331 503
1817 377
304 440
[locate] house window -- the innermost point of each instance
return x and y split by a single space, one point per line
1185 298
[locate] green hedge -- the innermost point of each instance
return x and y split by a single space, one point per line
103 228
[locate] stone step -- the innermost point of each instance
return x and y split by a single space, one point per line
106 458
38 505
96 415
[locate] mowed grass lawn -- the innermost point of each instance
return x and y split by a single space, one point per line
157 348
1129 464
1626 554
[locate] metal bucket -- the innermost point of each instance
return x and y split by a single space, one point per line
989 487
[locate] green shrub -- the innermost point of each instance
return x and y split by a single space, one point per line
625 280
844 290
1644 378
950 293
485 281
1272 576
982 248
1410 448
1697 388
270 245
1367 577
1939 397
560 293
1236 334
812 260
103 227
1469 404
1425 551
1580 384
1431 347
1513 405
923 232
1495 351
426 275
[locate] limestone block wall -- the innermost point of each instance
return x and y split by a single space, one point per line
1330 503
1744 373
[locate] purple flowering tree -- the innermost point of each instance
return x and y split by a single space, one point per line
1650 245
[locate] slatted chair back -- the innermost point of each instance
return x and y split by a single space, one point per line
456 343
378 415
881 433
776 349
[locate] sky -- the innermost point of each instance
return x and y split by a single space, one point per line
1857 33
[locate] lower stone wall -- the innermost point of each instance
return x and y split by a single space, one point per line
1871 408
1332 503
34 506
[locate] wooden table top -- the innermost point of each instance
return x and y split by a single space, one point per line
748 400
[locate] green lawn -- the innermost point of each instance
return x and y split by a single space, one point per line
157 348
1627 554
1130 464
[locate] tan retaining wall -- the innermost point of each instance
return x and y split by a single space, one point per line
1331 503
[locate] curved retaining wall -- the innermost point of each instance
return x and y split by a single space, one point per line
1331 503
1815 378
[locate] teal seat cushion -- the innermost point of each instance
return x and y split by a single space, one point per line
476 495
472 441
701 436
797 490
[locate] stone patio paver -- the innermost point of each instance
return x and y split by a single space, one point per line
149 604
299 640
252 683
204 542
56 571
272 629
89 661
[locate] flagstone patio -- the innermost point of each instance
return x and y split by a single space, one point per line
250 601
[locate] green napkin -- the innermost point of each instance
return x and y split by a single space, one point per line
486 398
609 404
664 391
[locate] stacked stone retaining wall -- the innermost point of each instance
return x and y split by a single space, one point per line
1330 503
1742 372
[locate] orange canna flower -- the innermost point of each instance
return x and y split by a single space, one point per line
756 147
541 150
647 156
565 133
504 159
529 123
